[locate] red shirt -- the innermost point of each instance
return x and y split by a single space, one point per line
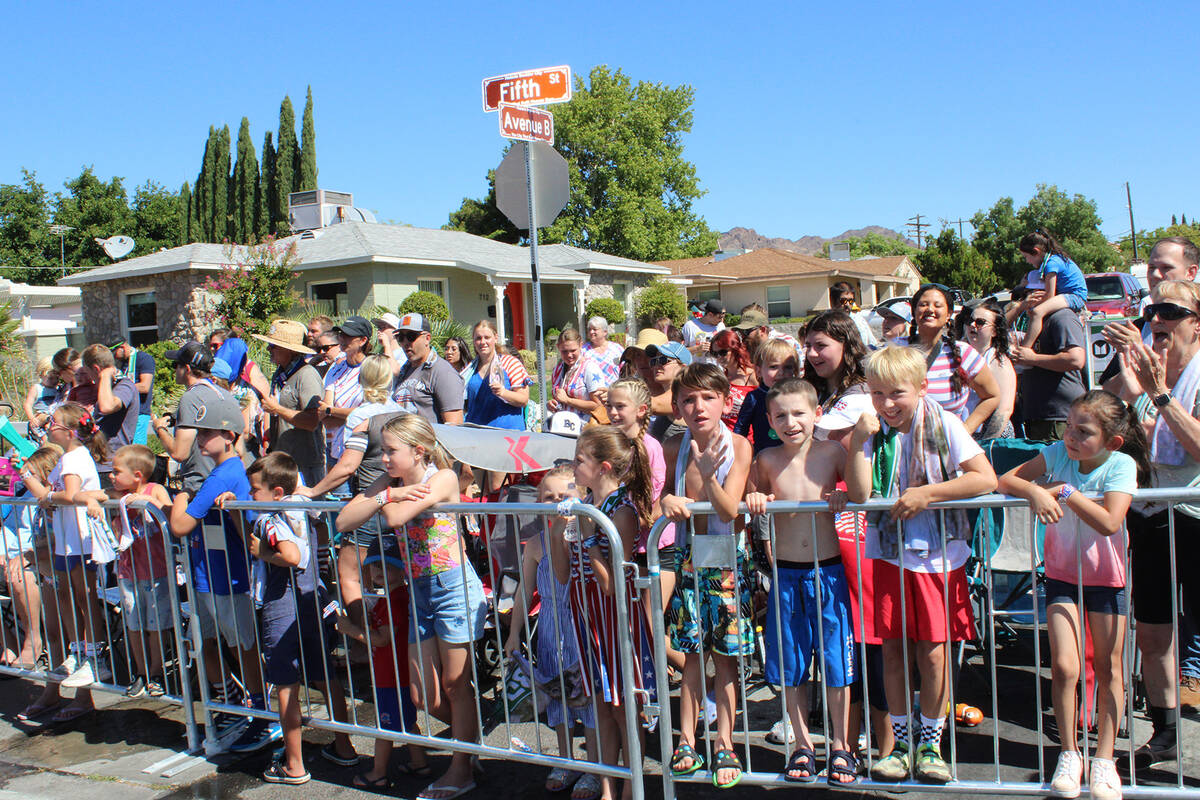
738 392
381 657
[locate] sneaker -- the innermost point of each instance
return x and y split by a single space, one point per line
1189 693
1103 782
1065 782
136 689
225 724
781 732
86 675
930 766
258 734
893 767
69 665
156 686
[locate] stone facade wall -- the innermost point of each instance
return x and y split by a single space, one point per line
602 286
184 308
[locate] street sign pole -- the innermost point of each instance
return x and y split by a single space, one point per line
537 283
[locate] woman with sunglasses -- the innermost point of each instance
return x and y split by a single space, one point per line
1162 382
730 354
985 328
955 369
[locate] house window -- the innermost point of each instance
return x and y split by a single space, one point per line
704 295
433 285
621 291
331 297
779 301
139 317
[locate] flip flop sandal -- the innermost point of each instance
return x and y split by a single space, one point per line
329 753
277 773
38 710
453 791
70 714
682 752
802 758
589 784
406 768
559 779
842 764
726 759
379 784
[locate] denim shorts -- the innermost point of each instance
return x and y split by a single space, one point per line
449 605
1075 302
1096 599
68 563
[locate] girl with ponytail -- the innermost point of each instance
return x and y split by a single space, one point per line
954 369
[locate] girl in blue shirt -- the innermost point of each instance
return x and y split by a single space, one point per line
1065 284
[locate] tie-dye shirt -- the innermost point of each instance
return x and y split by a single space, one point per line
431 541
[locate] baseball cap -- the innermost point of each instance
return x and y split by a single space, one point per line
192 354
386 320
413 322
222 370
116 342
221 413
900 309
354 326
671 350
385 549
565 423
750 320
714 306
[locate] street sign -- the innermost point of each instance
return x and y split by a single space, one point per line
527 123
548 172
534 87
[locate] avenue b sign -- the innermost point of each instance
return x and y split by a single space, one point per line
528 124
532 87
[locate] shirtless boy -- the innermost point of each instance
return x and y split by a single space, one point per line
808 611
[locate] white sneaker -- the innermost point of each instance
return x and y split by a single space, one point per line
69 665
86 675
1103 781
1067 774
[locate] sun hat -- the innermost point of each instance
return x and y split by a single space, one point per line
288 334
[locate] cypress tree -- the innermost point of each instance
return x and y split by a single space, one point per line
245 185
202 207
1173 220
185 213
220 187
1183 219
270 191
286 158
306 175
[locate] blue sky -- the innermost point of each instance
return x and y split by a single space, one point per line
807 120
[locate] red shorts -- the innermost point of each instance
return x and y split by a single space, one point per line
924 605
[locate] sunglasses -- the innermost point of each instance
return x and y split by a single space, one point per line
325 348
408 336
976 322
1167 312
720 353
658 361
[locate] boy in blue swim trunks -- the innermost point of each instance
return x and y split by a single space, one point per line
808 611
711 606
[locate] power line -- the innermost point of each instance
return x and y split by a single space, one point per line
915 225
959 223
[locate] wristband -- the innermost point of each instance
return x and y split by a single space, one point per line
1064 492
381 499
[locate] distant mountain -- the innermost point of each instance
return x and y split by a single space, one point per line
750 239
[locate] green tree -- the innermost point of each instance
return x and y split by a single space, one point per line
660 298
286 157
632 191
255 284
1072 219
245 186
306 175
185 213
611 309
270 190
26 244
427 304
203 191
483 218
156 220
96 210
220 187
874 244
1147 238
950 260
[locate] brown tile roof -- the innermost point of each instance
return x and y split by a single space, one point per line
771 263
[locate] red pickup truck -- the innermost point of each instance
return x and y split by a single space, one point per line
1114 294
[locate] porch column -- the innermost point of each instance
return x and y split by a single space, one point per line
499 288
580 305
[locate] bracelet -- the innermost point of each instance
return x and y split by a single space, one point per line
1064 492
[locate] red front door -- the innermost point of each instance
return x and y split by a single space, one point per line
514 315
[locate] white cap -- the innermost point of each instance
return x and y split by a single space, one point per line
387 319
566 423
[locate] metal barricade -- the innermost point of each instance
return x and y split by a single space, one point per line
123 619
504 702
966 752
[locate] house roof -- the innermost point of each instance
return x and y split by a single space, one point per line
366 242
770 263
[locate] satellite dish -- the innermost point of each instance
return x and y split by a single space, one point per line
117 246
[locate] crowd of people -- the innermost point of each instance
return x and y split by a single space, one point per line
704 413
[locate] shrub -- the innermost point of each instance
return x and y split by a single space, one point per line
552 338
732 319
529 359
660 299
442 330
165 388
619 338
255 285
427 304
612 310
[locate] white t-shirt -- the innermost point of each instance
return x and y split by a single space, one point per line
962 448
695 331
71 535
845 411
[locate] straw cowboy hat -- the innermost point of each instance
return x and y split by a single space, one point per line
287 334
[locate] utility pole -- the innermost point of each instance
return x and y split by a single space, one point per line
959 223
1132 232
61 231
915 225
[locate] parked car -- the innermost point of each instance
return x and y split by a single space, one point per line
1114 294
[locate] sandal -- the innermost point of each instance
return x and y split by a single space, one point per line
682 752
726 759
379 784
36 710
277 773
559 779
586 788
803 758
842 764
406 768
71 713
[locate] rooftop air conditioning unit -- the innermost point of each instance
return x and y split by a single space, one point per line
839 251
318 208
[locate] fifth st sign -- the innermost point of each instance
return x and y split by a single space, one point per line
532 87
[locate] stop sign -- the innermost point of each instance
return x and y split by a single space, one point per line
551 184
